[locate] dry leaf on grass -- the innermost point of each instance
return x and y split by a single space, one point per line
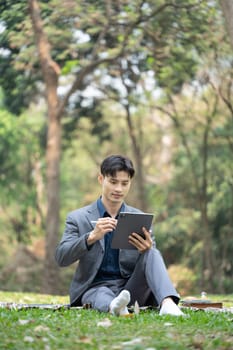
127 315
85 340
28 339
168 324
23 322
106 322
133 341
41 328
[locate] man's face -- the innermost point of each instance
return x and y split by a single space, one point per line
115 189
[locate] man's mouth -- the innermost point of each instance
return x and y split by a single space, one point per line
116 195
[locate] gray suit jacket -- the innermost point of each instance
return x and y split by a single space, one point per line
72 248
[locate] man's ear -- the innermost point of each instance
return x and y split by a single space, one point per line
100 178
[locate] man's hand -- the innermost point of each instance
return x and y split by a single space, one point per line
103 226
142 244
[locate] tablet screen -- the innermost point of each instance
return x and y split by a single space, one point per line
128 223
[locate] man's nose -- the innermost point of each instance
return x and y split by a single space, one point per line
118 187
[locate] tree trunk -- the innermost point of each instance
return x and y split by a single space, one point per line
207 264
50 71
51 277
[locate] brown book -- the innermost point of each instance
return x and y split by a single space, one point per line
201 304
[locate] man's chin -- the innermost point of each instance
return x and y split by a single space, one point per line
117 199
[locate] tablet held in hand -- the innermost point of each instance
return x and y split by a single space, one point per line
128 223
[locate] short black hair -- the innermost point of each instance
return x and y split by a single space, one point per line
114 163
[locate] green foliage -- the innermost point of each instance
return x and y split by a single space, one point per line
9 141
16 57
92 110
178 236
164 37
180 67
19 151
69 66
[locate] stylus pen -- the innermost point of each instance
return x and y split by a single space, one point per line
93 222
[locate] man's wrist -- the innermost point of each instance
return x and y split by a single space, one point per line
90 240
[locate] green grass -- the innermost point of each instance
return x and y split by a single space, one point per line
76 329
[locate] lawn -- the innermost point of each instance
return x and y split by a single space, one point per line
74 329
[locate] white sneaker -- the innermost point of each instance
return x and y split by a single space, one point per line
170 308
119 304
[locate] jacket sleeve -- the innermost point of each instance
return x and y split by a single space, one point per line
73 243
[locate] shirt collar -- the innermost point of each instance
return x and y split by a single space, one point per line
103 211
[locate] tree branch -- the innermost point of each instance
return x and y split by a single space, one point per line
50 68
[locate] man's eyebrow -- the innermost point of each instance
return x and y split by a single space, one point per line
116 179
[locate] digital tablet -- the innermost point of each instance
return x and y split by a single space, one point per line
128 223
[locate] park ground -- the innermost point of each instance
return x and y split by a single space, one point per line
65 328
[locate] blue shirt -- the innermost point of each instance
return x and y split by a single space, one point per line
109 269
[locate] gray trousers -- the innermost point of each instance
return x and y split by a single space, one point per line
149 284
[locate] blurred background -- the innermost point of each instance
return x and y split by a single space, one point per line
80 80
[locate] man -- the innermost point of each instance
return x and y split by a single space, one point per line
109 279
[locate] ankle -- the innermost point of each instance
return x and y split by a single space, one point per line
165 300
